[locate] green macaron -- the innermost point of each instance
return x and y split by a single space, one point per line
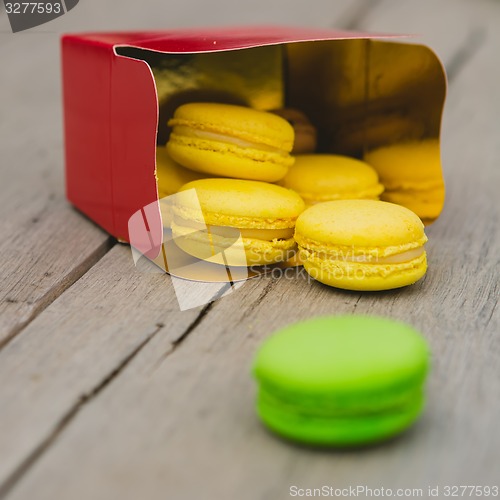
341 380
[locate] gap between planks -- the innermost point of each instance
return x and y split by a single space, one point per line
67 282
70 415
216 291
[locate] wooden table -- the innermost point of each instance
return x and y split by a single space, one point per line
108 391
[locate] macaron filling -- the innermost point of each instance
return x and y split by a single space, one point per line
264 234
225 138
342 403
369 193
353 253
392 259
228 155
267 234
326 260
209 242
339 430
318 407
358 274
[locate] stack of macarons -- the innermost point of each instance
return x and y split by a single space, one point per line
257 172
262 214
238 153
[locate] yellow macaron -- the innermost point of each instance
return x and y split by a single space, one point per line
362 244
412 176
236 222
323 177
231 141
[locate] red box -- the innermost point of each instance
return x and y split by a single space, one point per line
111 105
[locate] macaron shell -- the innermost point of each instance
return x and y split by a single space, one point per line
365 277
339 432
244 204
407 164
228 160
324 177
427 205
412 175
336 355
360 223
236 121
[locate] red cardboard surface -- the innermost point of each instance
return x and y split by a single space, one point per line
216 39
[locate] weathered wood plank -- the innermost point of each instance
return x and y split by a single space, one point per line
44 254
77 345
174 421
176 416
46 245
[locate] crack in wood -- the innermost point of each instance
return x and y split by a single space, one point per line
175 344
56 291
179 340
269 286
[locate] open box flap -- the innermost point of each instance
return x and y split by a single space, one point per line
216 39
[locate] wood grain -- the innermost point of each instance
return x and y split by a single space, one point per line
77 345
45 245
99 402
